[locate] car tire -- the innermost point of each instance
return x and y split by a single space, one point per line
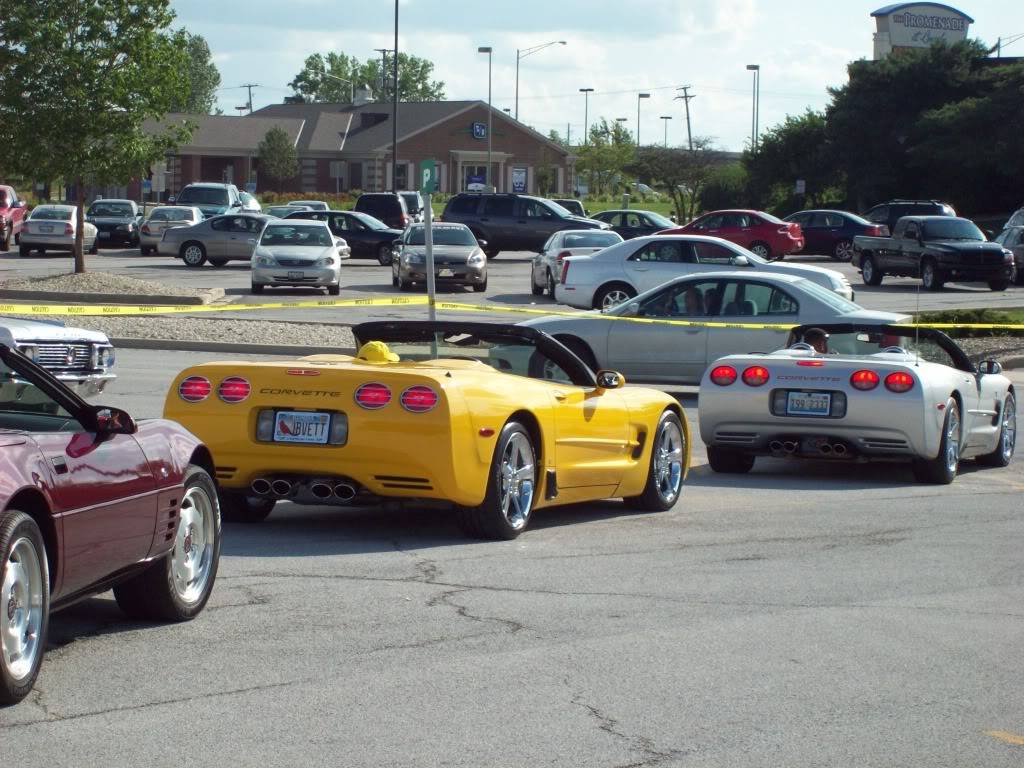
843 251
729 461
239 508
666 468
506 508
394 280
177 586
333 290
144 250
24 251
5 242
25 579
869 271
403 284
551 285
95 247
384 255
491 253
998 285
763 250
256 288
480 287
193 254
931 278
218 262
536 290
612 295
943 468
1003 453
1019 279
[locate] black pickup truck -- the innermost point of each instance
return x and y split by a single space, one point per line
936 249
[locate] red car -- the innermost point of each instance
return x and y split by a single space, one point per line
757 231
91 500
12 216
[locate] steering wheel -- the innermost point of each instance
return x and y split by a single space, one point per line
802 345
897 350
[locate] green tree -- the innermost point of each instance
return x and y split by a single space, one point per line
200 95
726 187
79 80
414 83
603 158
679 173
277 157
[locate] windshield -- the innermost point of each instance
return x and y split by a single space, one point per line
593 239
952 229
889 340
660 221
316 205
301 235
46 213
171 214
825 296
560 210
412 201
107 208
368 220
203 196
442 236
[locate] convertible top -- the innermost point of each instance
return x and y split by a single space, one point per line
963 362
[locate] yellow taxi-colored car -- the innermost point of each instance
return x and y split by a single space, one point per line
499 420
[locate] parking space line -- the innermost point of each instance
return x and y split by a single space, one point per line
1006 736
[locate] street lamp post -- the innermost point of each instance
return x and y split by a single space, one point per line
756 69
490 56
522 54
638 97
666 118
586 103
351 85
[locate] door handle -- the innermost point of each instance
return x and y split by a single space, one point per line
560 396
640 269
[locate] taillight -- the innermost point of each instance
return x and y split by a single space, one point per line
373 396
864 380
565 271
899 381
755 376
404 220
562 255
233 389
145 229
68 229
874 231
419 399
194 389
723 375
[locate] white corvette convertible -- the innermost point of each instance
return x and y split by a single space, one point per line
849 392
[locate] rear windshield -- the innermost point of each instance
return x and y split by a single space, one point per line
952 229
110 209
442 236
412 201
171 214
51 214
203 196
291 234
591 240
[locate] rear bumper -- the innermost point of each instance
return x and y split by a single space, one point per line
859 440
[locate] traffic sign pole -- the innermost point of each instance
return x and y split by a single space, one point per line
428 181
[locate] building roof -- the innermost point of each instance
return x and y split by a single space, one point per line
229 132
897 7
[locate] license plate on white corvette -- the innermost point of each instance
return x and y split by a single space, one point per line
808 403
301 427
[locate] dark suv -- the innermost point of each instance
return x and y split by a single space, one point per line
388 207
890 212
511 222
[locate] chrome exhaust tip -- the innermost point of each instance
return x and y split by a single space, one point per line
344 491
321 490
789 446
839 449
260 486
281 487
825 449
775 446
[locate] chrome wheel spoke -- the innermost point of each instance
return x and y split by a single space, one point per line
21 609
190 560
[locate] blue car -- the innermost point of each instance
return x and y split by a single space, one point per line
831 233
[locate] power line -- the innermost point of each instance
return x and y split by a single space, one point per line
249 87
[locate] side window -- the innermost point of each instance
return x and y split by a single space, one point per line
685 300
499 206
782 303
834 220
803 219
911 230
549 244
713 253
633 220
818 220
879 215
463 204
661 252
534 210
711 222
221 224
742 299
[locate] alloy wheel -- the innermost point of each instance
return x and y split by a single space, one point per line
1009 428
668 460
518 479
194 546
21 609
953 440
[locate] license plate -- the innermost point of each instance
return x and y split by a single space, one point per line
295 275
808 403
104 235
46 227
444 273
301 427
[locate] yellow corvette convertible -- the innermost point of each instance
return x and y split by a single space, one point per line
499 420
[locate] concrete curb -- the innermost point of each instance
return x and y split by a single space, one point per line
228 348
208 296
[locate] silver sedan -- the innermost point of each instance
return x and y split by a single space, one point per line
220 239
458 258
299 253
679 353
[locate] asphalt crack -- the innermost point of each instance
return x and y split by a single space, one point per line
650 754
250 595
446 599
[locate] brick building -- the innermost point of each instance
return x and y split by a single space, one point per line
346 147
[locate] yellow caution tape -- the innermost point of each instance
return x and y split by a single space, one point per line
92 310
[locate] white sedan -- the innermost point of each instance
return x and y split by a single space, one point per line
298 253
616 274
52 228
547 264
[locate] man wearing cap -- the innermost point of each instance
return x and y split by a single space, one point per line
818 339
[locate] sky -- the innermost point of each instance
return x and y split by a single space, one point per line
618 48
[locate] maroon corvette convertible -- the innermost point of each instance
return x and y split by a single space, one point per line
90 501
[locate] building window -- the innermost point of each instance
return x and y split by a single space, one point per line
402 177
475 175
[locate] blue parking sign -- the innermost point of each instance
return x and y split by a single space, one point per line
479 130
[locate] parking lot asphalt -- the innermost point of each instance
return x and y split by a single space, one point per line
806 614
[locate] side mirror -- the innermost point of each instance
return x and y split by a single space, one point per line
989 367
19 204
483 243
171 199
610 380
586 212
112 421
740 261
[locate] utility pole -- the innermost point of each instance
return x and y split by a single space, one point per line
394 113
250 86
686 100
383 69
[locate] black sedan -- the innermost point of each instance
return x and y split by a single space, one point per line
630 223
366 236
116 221
831 233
